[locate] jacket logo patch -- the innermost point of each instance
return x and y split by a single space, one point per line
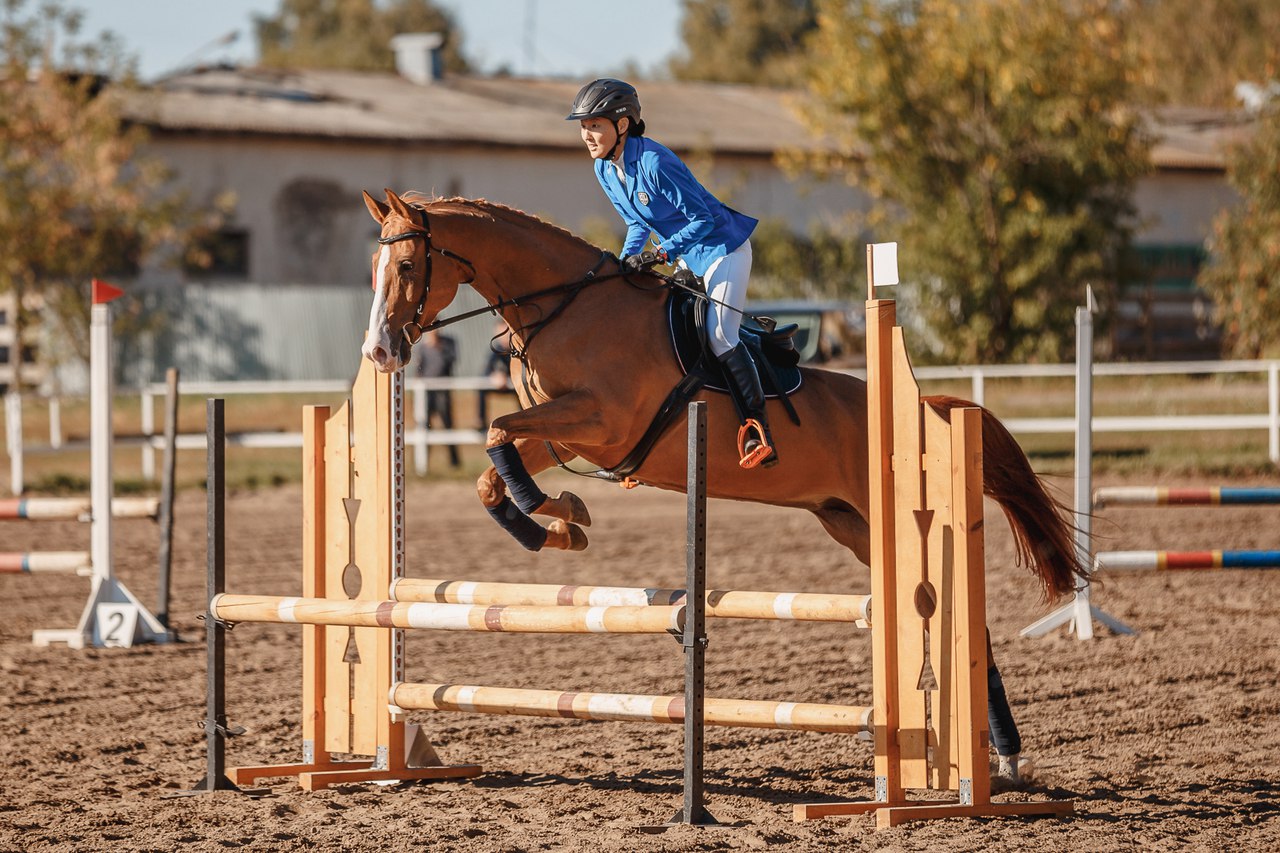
643 198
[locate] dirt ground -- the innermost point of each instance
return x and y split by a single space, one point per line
1167 740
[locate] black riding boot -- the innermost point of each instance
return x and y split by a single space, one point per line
755 445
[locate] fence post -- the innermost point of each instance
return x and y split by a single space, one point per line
13 440
1273 410
420 418
148 432
55 422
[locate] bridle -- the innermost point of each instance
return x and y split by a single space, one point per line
413 330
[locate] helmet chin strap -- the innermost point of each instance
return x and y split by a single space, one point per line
617 140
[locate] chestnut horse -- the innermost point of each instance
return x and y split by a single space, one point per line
596 364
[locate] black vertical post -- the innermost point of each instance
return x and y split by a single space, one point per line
215 725
167 492
695 635
215 633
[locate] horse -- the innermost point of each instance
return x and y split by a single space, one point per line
596 363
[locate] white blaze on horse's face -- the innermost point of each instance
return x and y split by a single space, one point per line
377 343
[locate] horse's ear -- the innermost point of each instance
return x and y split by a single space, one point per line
398 205
377 209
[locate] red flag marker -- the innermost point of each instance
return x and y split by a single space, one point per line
103 292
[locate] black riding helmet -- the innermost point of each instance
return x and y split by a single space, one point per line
606 98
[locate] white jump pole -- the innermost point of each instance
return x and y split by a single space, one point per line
113 616
1079 613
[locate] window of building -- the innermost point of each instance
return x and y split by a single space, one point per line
226 252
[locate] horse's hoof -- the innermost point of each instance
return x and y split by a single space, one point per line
577 509
565 536
566 506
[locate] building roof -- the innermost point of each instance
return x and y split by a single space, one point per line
458 109
528 112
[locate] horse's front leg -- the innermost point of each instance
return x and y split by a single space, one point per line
517 446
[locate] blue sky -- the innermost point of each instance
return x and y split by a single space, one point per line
575 38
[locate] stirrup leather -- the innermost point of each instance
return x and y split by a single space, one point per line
761 452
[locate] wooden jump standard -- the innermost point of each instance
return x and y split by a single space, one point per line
928 595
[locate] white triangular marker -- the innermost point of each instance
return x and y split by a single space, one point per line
884 263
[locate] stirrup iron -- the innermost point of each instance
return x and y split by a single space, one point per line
762 453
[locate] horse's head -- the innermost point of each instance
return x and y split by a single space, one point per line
404 297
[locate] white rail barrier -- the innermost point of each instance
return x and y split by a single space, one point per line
421 437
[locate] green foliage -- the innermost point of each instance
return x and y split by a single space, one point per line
75 199
745 41
354 34
1243 273
999 145
1200 49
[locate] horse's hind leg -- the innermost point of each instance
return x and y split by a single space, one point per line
846 525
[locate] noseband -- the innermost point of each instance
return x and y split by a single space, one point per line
412 330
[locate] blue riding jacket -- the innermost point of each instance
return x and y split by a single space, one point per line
661 195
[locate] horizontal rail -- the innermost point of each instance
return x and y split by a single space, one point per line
47 562
74 509
1164 561
230 607
624 707
1170 496
724 604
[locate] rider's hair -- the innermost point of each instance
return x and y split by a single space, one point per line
636 128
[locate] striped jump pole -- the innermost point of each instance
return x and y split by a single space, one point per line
740 713
41 562
1167 561
74 509
1167 496
721 603
229 607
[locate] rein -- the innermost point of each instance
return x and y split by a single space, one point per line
413 330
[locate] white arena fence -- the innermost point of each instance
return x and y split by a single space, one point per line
420 437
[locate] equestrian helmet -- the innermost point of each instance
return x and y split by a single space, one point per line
607 98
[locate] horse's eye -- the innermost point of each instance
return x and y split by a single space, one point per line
406 266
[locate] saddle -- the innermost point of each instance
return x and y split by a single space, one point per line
772 349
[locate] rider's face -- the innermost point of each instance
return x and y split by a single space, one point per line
599 136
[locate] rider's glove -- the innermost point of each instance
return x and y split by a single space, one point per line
642 261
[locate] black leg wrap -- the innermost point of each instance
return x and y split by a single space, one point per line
510 467
524 529
1004 731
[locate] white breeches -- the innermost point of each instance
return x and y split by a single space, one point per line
726 282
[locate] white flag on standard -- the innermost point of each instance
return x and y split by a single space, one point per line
884 262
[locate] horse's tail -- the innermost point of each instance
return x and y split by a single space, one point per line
1042 526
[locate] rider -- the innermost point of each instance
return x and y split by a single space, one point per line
654 191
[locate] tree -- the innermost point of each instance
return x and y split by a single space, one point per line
999 145
1243 272
745 41
1200 49
76 200
353 34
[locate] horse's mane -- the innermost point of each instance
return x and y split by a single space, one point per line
481 207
